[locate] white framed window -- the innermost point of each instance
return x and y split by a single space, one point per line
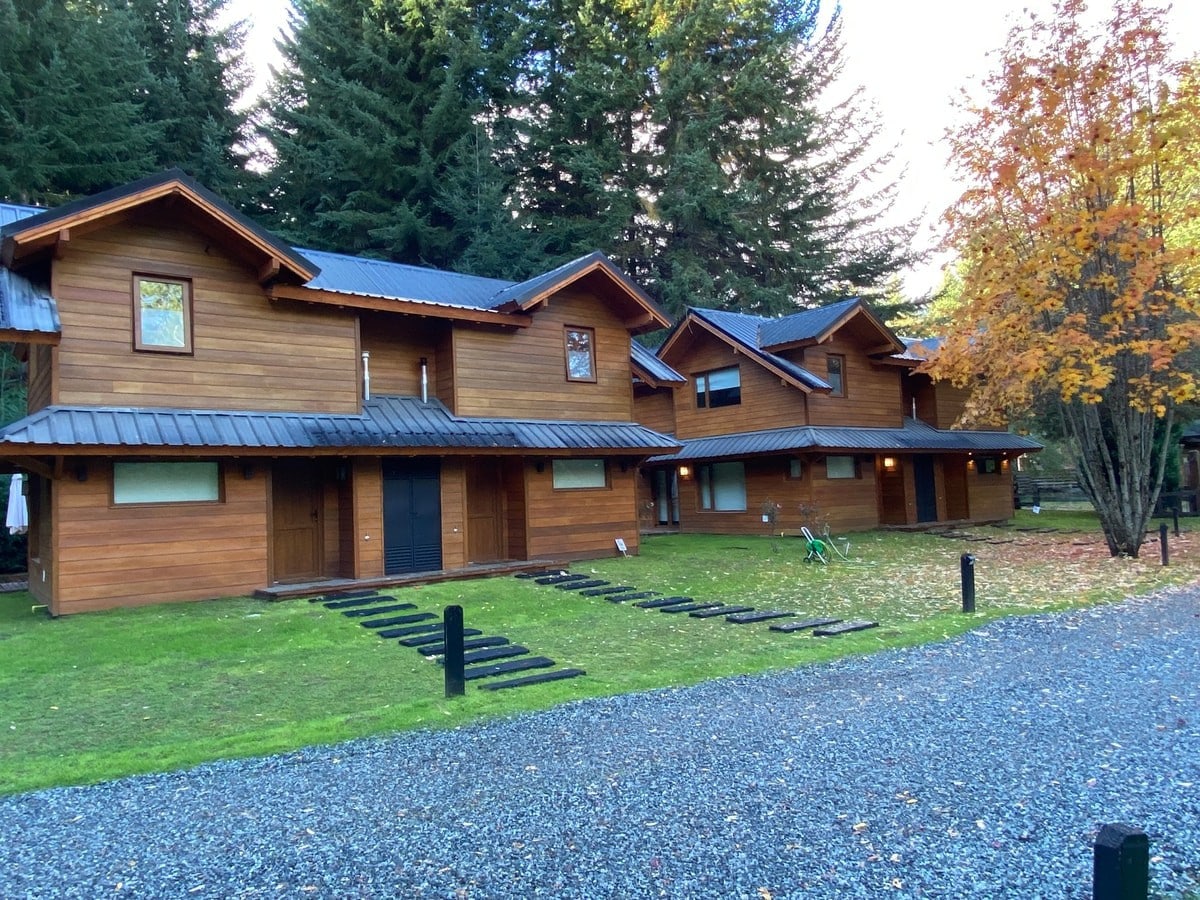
840 467
723 487
579 474
581 353
166 482
162 314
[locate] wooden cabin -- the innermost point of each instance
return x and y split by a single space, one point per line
813 418
212 411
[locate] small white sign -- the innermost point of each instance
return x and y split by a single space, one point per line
1036 510
621 546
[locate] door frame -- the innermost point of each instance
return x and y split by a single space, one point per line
317 498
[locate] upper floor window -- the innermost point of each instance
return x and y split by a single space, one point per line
581 353
720 387
162 314
835 369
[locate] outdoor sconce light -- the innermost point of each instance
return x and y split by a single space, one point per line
81 472
247 471
340 472
540 465
624 465
889 463
685 471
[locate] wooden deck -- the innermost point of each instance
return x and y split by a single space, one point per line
334 585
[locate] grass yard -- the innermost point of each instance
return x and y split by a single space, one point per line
103 695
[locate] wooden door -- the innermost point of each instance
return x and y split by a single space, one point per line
412 516
295 521
926 488
485 511
954 472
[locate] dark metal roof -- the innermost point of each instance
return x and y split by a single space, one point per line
378 278
386 423
744 329
655 367
913 436
25 306
806 325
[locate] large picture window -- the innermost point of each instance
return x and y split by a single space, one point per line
579 474
840 467
166 482
723 486
162 314
720 387
581 353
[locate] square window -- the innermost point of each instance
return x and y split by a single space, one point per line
162 314
579 474
720 387
840 467
795 469
581 353
835 373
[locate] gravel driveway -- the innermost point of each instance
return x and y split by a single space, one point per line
981 766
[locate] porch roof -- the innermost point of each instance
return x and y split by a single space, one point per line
913 437
386 424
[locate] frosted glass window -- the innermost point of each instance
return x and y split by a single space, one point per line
166 482
577 474
840 467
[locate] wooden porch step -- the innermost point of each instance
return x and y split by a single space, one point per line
397 620
513 665
541 677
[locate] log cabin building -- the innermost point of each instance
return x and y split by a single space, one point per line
817 417
212 411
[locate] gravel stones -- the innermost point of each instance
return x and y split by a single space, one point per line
980 766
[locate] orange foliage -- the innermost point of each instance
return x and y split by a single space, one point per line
1079 228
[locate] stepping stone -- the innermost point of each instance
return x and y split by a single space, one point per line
556 675
687 607
410 629
397 620
787 627
636 595
559 579
366 600
478 656
605 591
761 616
377 610
719 611
343 595
580 585
439 649
513 665
431 637
540 573
662 601
843 627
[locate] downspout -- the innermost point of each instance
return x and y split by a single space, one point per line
366 358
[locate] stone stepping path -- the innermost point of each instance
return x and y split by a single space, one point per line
581 585
605 591
406 630
787 627
540 573
433 637
541 677
439 649
763 615
636 595
663 601
377 610
397 620
845 627
490 653
560 579
688 607
718 611
356 601
344 595
472 673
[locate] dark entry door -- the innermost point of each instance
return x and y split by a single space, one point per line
954 473
485 511
926 488
412 516
295 520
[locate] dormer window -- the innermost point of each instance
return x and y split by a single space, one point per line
162 314
720 387
835 368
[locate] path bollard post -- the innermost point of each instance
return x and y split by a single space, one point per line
967 566
452 638
1121 864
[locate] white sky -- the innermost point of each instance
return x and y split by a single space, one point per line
911 56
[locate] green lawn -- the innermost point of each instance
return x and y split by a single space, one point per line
98 696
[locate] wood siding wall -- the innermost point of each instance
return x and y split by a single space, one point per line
580 524
454 513
655 408
132 555
248 353
873 393
397 345
766 401
522 373
991 495
39 387
367 477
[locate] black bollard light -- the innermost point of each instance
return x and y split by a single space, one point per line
1162 543
967 565
452 639
1121 864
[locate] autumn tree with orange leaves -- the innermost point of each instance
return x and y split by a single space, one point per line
1080 237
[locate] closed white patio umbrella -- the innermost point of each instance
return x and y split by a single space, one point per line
17 519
